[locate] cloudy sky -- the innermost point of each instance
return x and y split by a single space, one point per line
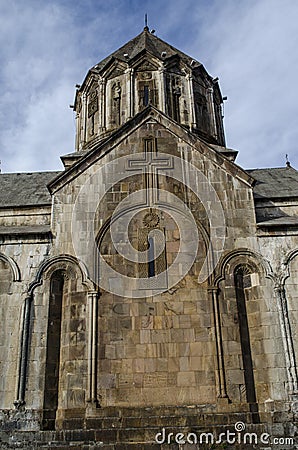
48 46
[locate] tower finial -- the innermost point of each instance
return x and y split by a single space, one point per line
146 23
288 164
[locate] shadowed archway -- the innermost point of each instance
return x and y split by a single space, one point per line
51 390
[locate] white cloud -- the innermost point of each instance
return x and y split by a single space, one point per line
47 132
34 64
47 47
254 51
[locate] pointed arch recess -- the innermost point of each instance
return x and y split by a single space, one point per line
57 262
13 265
105 226
251 256
286 264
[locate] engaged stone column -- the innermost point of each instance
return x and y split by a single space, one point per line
130 92
220 378
102 105
92 347
193 121
84 119
77 144
212 112
162 89
23 360
286 337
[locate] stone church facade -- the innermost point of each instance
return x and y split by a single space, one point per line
151 286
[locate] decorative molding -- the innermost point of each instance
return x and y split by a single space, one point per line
60 262
285 323
146 62
287 337
114 69
220 363
92 305
146 65
285 266
151 220
23 355
255 258
13 266
92 103
243 269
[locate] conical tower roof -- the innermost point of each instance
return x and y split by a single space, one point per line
148 71
146 41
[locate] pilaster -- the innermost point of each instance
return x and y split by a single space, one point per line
162 89
23 357
193 120
287 339
102 105
220 372
212 112
92 348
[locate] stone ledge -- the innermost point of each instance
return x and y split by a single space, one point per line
25 230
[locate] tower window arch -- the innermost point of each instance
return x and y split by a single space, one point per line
116 104
176 103
146 95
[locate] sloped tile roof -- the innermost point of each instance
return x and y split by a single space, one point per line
25 189
30 189
145 41
277 182
279 222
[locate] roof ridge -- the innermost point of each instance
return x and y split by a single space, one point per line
272 168
144 40
33 172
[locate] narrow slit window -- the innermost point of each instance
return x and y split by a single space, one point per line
151 266
146 95
176 107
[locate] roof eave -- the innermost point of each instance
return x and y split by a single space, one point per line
104 147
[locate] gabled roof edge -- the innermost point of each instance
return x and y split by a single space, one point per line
130 125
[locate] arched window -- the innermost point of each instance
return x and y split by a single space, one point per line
242 279
176 103
53 351
116 104
5 277
151 265
146 95
155 265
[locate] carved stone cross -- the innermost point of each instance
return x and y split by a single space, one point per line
150 164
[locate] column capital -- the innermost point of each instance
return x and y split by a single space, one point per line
129 70
18 404
278 287
213 289
93 294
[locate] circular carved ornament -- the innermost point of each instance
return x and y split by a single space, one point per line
151 220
